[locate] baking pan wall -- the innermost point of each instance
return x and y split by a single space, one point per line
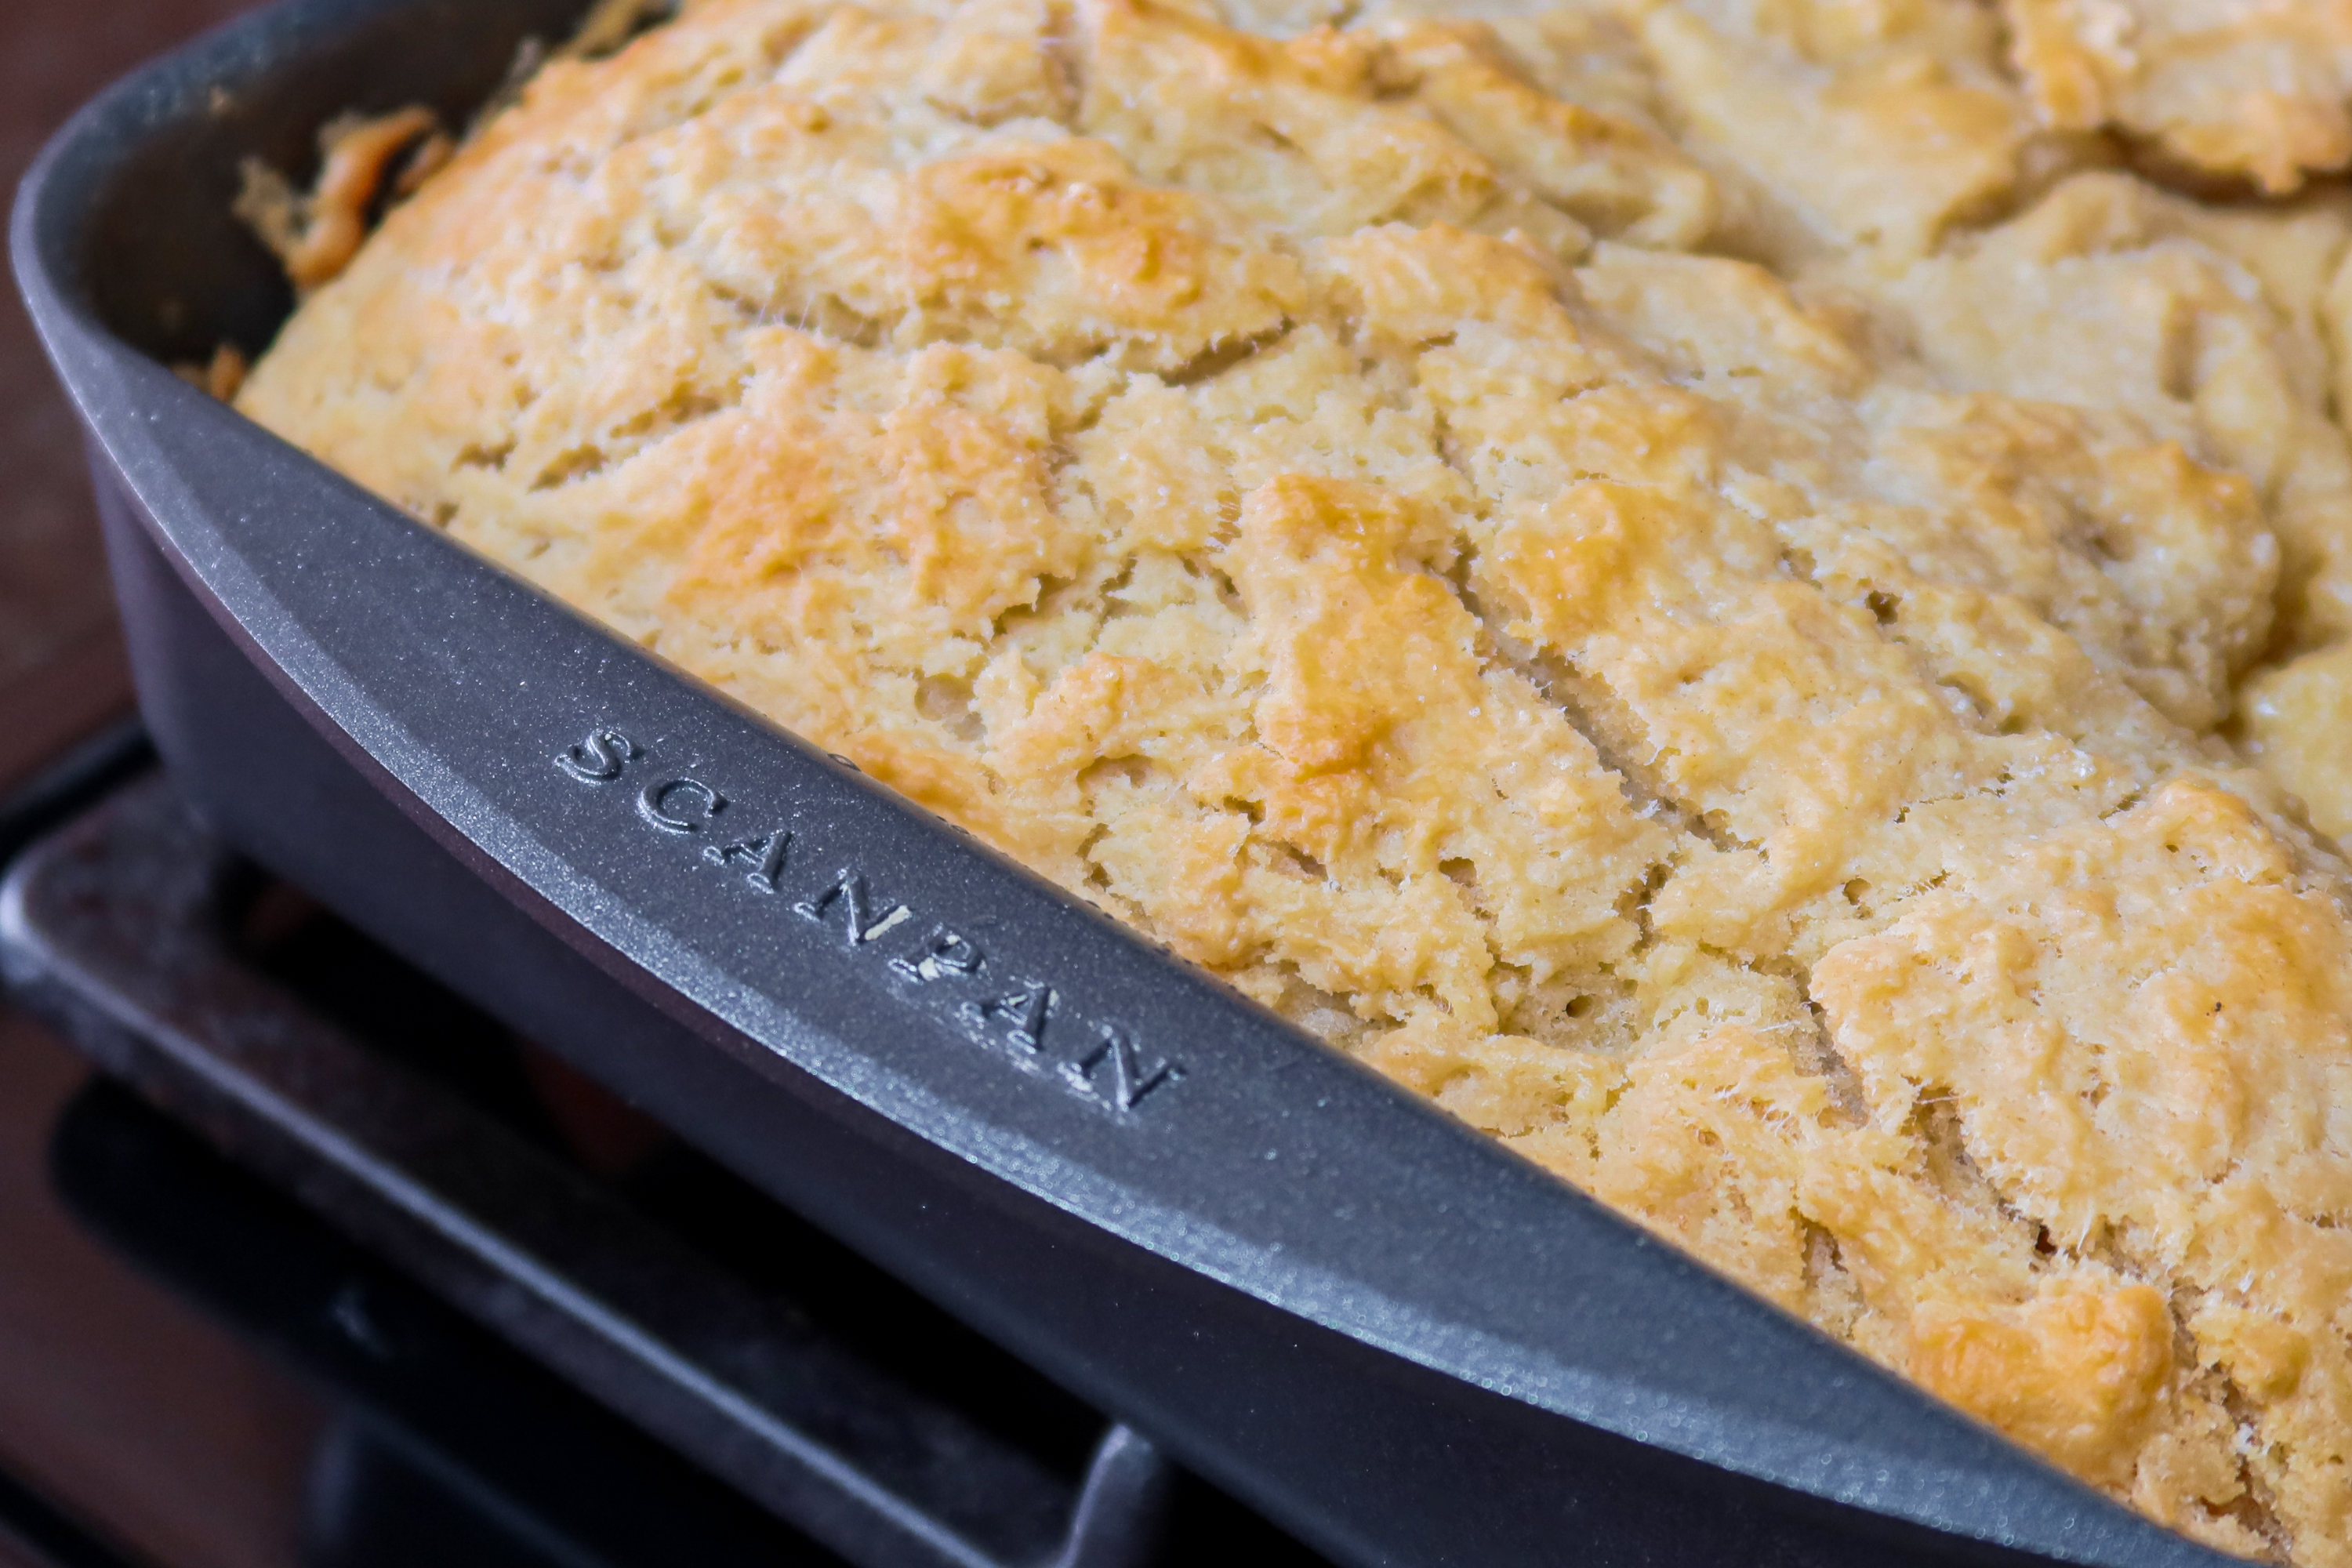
1400 1342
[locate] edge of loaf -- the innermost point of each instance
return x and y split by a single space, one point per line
1712 588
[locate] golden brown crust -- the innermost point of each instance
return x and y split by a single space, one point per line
2258 90
316 236
1677 577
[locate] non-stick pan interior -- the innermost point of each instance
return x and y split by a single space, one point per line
1372 1323
172 270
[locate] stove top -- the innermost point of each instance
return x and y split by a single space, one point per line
539 1329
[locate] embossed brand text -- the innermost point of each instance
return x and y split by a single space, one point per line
1027 1020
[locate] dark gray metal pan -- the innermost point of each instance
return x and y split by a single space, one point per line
1382 1330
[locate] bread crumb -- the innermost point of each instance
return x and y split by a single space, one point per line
223 375
314 236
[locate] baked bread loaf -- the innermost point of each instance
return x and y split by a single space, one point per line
1701 583
2256 90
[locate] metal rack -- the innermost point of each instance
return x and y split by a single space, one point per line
135 932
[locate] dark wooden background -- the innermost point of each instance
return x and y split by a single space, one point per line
60 671
116 1402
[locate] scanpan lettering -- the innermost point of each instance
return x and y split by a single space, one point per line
943 954
1129 1080
1025 1012
680 805
764 855
600 758
849 890
1011 1011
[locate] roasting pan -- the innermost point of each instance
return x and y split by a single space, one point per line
1398 1340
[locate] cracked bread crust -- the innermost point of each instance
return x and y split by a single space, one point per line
1676 578
2259 91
